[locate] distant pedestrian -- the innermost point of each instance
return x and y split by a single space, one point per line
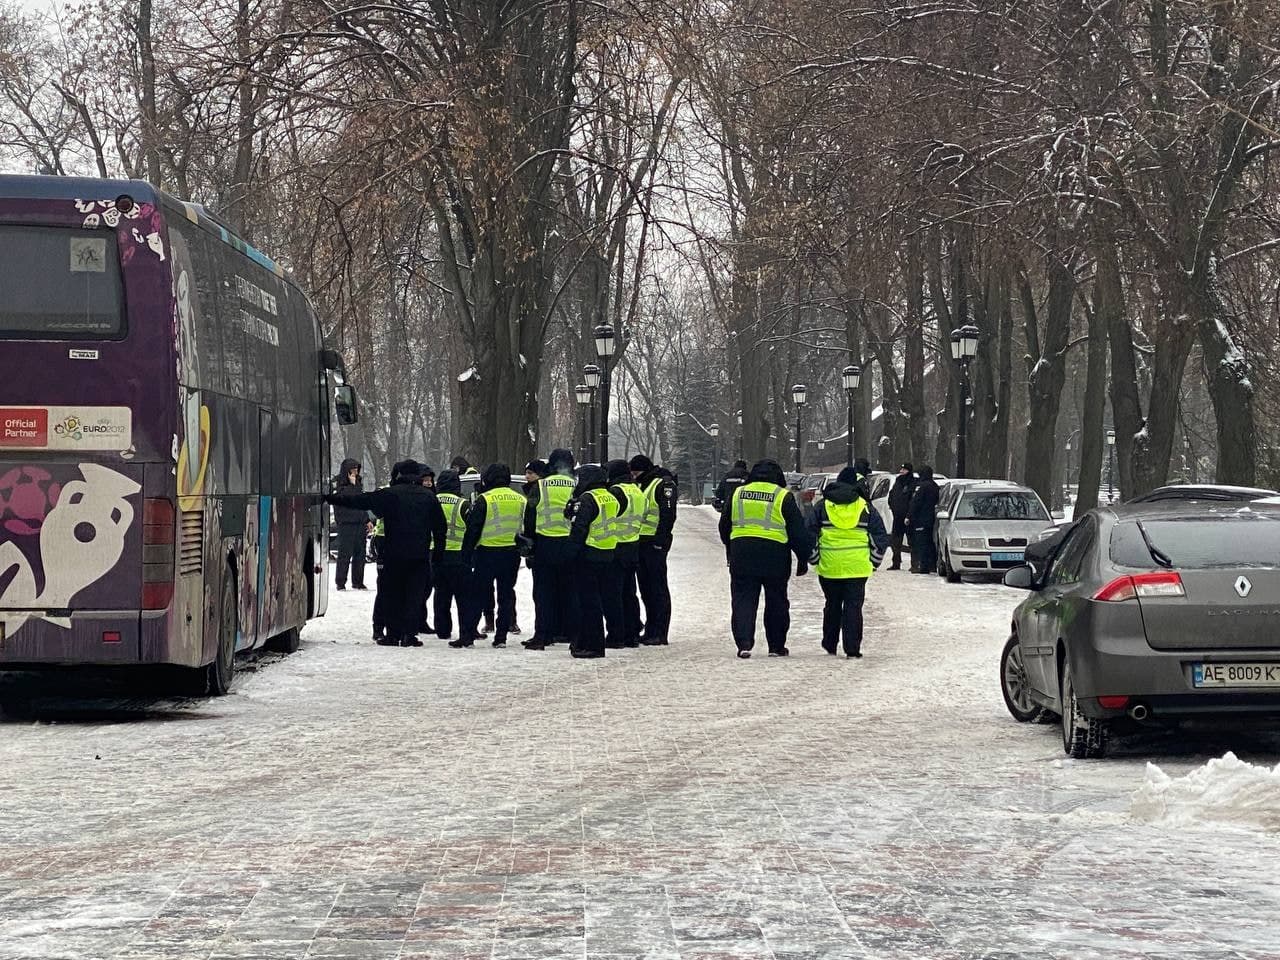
491 551
555 594
761 528
922 515
593 536
656 531
731 481
850 542
353 527
452 578
414 531
904 485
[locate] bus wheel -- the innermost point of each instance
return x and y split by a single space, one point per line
219 672
287 642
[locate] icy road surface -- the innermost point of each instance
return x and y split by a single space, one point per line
354 801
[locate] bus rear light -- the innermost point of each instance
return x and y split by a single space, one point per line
110 636
157 596
157 521
1149 585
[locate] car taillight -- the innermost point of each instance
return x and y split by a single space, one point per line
157 553
1149 585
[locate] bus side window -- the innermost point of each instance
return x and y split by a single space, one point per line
233 345
208 330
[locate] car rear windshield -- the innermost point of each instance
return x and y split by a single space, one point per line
1198 544
59 284
1001 505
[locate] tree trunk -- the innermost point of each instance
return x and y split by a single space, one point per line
1092 430
913 404
1230 389
150 120
1047 375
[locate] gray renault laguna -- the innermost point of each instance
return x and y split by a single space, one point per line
1147 613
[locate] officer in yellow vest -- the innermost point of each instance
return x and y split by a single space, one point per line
555 595
626 558
659 486
851 541
452 578
489 550
594 537
761 527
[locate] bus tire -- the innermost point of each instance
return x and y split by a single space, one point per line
220 672
288 642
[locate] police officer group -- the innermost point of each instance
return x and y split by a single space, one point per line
596 539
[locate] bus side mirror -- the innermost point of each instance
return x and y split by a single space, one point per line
346 404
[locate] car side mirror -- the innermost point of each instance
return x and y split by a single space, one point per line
943 515
346 404
1021 578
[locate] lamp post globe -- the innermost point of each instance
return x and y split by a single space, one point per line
852 377
606 341
591 373
799 393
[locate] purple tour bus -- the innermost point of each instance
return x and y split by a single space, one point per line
165 401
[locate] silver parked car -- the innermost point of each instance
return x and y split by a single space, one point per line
1144 613
984 527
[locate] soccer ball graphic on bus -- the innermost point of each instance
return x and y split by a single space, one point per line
27 495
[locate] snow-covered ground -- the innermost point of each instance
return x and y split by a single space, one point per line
363 802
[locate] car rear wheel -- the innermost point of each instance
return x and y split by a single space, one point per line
1083 738
1015 684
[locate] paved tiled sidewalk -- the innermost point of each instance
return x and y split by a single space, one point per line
358 802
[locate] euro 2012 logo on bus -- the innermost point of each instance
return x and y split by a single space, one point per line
69 428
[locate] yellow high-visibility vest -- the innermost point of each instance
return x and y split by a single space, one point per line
554 494
601 535
504 515
844 544
455 527
757 512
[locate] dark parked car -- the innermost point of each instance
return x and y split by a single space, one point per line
1204 492
1145 613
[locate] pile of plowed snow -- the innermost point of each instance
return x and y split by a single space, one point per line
1225 790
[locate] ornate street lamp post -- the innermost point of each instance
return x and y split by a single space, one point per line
852 378
606 344
583 393
799 394
591 375
1111 466
964 347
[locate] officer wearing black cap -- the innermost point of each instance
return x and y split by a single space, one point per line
659 488
555 595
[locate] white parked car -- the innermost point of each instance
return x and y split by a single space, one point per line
984 527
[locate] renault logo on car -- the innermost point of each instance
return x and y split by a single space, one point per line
1243 587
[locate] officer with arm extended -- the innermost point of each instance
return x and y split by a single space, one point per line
656 526
761 527
489 549
555 599
593 537
851 541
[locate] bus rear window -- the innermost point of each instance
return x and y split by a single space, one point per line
59 284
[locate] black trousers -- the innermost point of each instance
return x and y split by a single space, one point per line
628 569
924 555
555 601
380 601
600 604
496 570
402 586
452 589
351 553
652 577
745 594
898 534
843 612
